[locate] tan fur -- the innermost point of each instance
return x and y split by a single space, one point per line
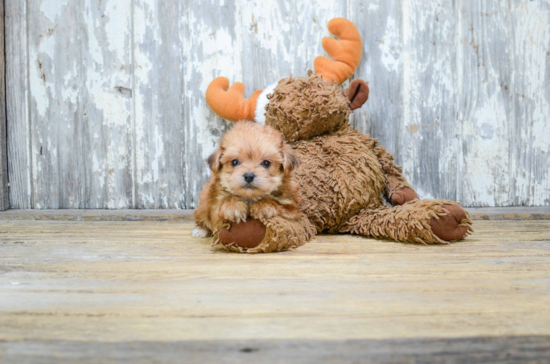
273 192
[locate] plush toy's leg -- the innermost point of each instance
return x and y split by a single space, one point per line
265 236
418 221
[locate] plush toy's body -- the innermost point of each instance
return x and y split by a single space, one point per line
344 175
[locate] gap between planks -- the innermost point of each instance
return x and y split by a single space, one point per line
483 213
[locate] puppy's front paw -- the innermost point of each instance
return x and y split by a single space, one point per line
234 210
264 209
200 232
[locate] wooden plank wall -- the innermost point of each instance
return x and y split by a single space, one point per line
4 183
106 102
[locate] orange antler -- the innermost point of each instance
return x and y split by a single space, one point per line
345 52
230 104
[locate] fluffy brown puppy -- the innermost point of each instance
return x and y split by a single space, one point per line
251 177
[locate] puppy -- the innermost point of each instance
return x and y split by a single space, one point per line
251 176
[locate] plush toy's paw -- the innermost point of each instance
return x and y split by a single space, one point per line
264 236
451 226
247 234
200 232
402 196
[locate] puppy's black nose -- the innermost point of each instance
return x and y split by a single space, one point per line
249 177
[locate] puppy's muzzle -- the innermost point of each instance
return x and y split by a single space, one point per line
249 177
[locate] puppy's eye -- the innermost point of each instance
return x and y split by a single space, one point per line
266 164
235 162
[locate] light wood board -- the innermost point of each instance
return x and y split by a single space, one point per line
480 213
72 286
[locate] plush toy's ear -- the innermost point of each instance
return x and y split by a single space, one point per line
290 160
214 160
357 93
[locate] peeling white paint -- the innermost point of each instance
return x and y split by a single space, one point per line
458 91
52 9
390 47
38 89
487 160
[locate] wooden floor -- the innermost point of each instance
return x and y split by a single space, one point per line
143 291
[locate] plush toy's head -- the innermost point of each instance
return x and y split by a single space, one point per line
302 107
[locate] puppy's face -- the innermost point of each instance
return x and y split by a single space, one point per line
252 160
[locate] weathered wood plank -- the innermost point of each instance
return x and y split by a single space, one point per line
530 136
159 113
494 132
380 24
507 349
17 107
4 182
480 213
81 91
151 282
485 113
428 144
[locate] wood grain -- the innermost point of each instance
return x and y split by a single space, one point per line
117 283
159 111
106 109
380 24
479 213
514 349
428 136
486 116
4 182
80 75
17 107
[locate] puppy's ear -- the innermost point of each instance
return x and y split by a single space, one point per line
214 160
290 159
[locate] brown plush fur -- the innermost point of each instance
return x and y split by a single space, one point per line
344 177
304 107
339 176
345 174
249 148
280 234
409 222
